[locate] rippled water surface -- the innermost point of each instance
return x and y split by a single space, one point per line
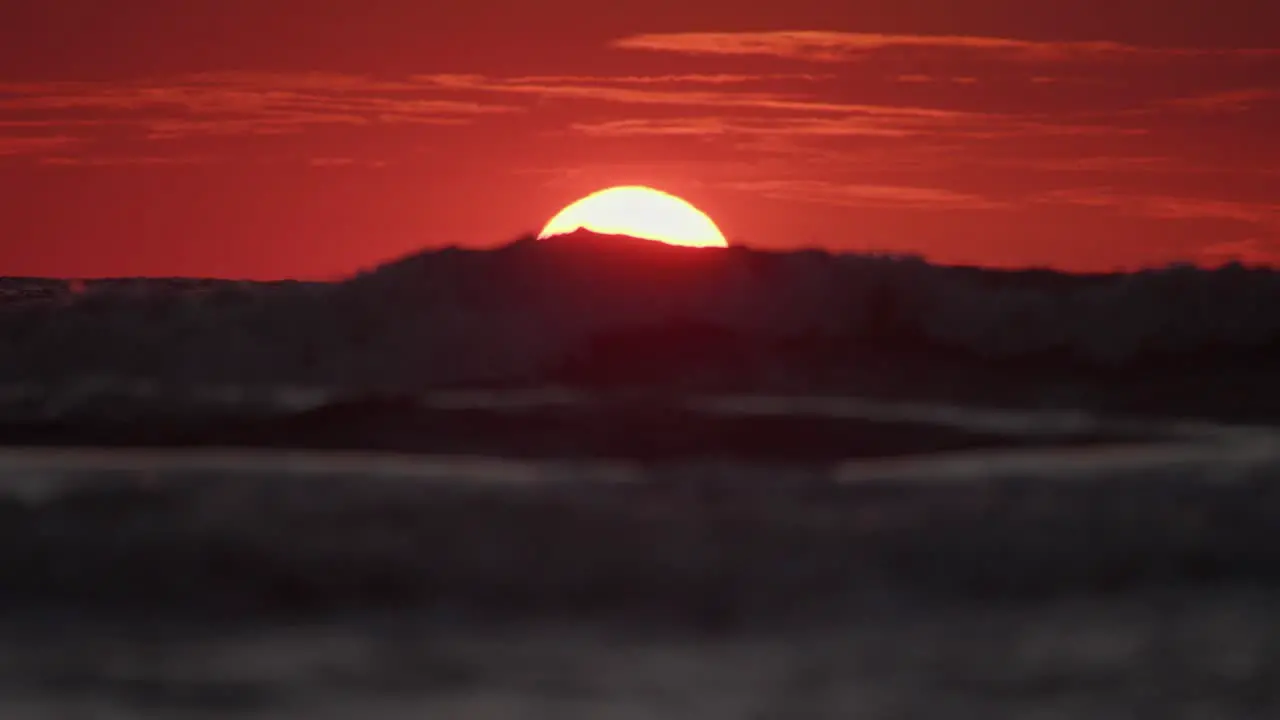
1199 655
1123 581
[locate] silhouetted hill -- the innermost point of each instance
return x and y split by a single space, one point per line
602 311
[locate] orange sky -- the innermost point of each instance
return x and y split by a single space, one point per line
246 138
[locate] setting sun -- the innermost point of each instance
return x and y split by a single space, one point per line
640 212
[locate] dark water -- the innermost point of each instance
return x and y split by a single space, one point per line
1073 583
1208 653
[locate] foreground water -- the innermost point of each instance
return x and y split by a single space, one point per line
1090 582
1201 654
292 586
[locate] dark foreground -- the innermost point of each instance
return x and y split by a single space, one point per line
713 547
577 425
1197 653
1077 588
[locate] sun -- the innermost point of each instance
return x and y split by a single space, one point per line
640 212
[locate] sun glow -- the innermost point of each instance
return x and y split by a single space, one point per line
640 212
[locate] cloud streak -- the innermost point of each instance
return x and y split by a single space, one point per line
1250 251
680 79
866 195
738 111
1228 100
633 93
272 104
759 113
235 104
858 121
865 126
922 79
122 160
18 145
828 46
1170 207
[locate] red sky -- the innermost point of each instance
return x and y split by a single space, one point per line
250 138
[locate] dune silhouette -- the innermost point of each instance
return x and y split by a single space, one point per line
601 311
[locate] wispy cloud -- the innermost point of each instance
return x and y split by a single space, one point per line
715 125
1094 163
235 104
345 162
1170 207
272 104
828 46
808 109
1250 251
690 171
608 90
920 79
121 160
866 195
858 121
680 79
1228 100
20 145
769 112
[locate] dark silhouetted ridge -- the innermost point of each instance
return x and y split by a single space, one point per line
590 310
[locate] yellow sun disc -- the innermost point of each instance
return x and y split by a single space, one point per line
640 212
